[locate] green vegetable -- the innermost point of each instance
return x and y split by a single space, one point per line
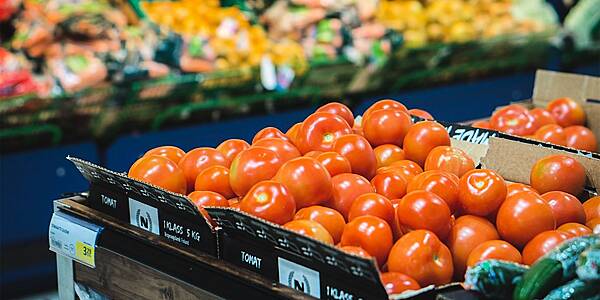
195 47
77 63
588 264
495 279
576 289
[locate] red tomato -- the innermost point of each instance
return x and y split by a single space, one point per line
494 249
196 160
515 187
581 138
390 184
449 159
386 126
594 225
565 207
558 173
424 210
541 117
441 183
387 154
285 150
271 201
358 152
420 113
234 202
396 283
334 162
574 229
171 152
480 192
372 204
292 133
522 216
513 119
159 171
346 188
339 109
592 208
251 166
407 167
231 148
422 138
311 229
208 198
466 234
313 154
215 179
542 244
370 233
320 130
566 112
481 124
307 180
421 254
384 104
551 133
331 219
269 132
354 250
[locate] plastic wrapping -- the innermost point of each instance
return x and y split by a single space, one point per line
576 289
568 252
588 264
496 279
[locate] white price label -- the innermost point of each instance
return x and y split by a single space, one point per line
299 277
74 238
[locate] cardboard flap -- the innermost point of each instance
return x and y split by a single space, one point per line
550 85
475 151
514 159
592 113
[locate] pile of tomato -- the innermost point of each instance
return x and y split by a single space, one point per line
561 123
384 188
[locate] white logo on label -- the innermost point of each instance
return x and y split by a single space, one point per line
143 216
299 277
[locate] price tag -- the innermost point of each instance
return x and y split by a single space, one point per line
73 237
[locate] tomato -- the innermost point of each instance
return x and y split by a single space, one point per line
311 229
159 171
390 184
320 130
541 117
334 162
513 119
420 113
494 249
441 183
292 133
542 244
449 159
424 210
339 109
354 250
357 150
551 133
423 256
370 233
558 173
313 154
208 198
574 229
422 138
269 132
387 154
346 188
330 218
307 180
214 179
594 225
231 148
480 192
481 124
592 208
171 152
515 187
565 207
386 126
396 283
285 150
522 216
271 201
387 104
581 138
566 112
196 160
251 166
466 234
407 167
372 204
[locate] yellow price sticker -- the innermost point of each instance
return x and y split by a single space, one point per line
85 253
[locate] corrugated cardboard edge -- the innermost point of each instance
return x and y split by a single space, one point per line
592 112
513 160
550 85
475 151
